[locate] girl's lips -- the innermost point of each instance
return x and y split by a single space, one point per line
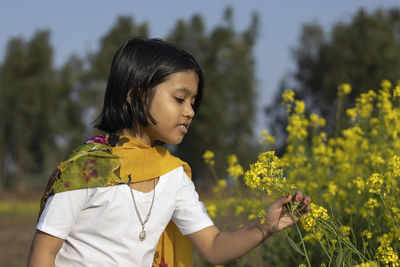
182 128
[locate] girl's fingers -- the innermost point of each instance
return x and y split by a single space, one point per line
305 205
298 196
306 200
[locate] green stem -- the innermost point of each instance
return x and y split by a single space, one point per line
238 188
395 226
334 229
301 236
213 172
323 247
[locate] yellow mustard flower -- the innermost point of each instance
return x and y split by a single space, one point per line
344 89
251 217
300 107
263 216
266 138
368 264
367 234
317 121
234 169
239 210
385 252
232 159
388 256
386 84
396 92
212 210
345 230
208 157
288 96
395 165
375 182
221 184
372 203
309 221
352 113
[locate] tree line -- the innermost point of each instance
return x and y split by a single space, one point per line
361 52
45 110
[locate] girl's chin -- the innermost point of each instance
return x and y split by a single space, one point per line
168 141
175 141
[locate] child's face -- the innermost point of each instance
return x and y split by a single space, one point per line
172 108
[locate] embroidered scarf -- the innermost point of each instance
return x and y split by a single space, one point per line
113 160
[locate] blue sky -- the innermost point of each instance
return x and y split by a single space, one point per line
77 26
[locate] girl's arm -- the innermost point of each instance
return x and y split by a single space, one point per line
220 247
44 250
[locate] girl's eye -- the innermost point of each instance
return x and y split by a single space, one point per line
180 100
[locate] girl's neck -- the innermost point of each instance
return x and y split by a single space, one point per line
139 135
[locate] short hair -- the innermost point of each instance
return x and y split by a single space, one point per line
138 66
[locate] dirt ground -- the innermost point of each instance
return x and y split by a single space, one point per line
16 234
16 230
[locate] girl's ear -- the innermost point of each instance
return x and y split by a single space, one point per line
128 97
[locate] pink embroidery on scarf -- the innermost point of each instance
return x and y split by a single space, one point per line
98 139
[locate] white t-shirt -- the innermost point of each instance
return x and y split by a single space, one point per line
101 228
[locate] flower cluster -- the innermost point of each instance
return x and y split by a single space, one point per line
385 252
310 221
235 170
374 183
266 138
344 89
354 174
208 157
266 175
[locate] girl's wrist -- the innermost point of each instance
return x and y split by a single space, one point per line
266 228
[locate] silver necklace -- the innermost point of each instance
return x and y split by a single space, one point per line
142 235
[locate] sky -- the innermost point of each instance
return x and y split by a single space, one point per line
77 26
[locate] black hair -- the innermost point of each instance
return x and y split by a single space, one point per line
138 66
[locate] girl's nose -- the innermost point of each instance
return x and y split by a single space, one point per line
189 111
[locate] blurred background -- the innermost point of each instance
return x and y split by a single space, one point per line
55 57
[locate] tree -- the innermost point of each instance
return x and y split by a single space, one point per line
26 90
361 53
40 116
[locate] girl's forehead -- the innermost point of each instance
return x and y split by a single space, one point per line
186 82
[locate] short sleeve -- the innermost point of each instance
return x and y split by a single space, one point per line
61 212
190 214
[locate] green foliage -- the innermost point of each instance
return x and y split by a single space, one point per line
360 52
26 89
34 98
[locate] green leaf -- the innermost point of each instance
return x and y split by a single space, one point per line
339 259
294 245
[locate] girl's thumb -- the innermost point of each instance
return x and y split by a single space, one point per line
286 199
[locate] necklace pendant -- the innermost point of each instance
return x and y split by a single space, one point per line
142 235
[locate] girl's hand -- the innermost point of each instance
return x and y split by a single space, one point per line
277 214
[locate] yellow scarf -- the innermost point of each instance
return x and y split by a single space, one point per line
111 160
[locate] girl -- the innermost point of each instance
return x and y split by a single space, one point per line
120 200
